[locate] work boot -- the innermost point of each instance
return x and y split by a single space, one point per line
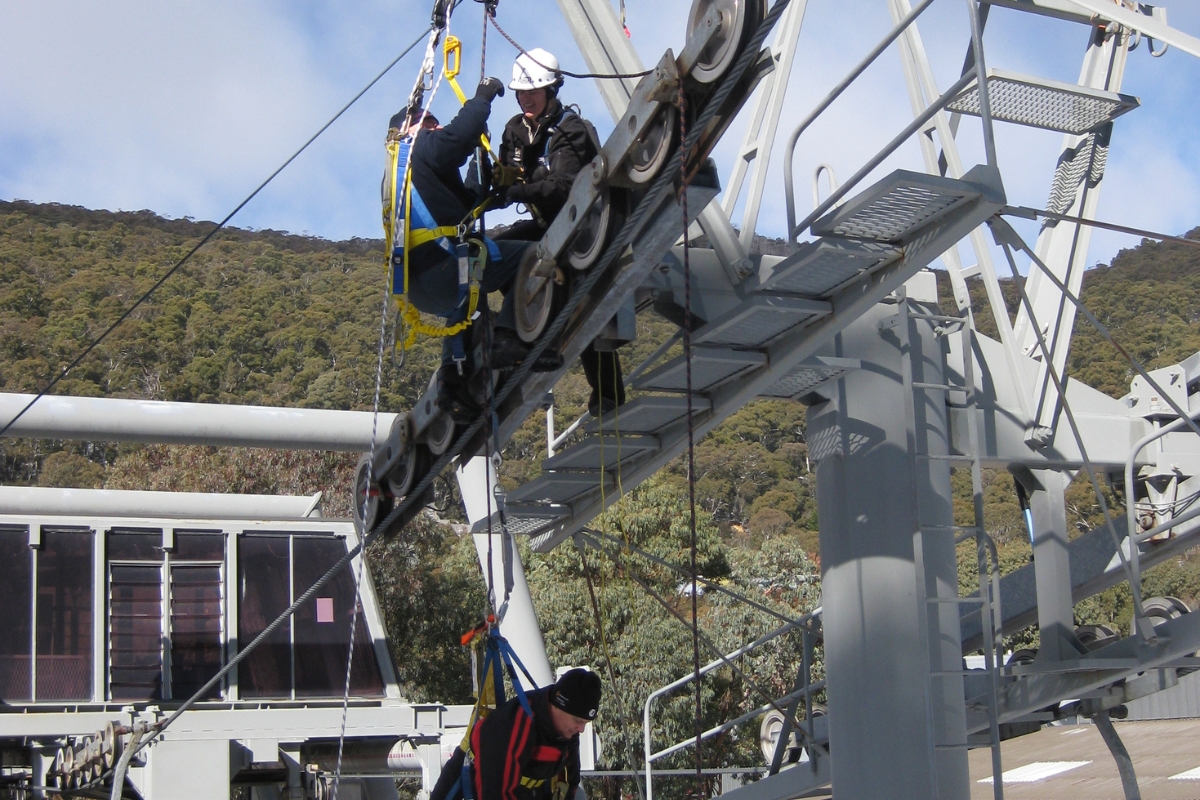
508 350
603 373
458 395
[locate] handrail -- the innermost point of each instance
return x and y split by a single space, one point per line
789 152
709 667
733 723
883 154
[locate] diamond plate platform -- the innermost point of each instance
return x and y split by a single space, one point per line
647 414
710 368
561 487
1043 103
805 377
759 320
897 208
604 451
818 268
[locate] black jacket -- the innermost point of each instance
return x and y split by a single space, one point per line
551 151
437 156
522 758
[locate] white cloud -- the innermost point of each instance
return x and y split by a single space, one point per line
184 110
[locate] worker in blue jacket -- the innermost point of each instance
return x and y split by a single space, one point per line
440 201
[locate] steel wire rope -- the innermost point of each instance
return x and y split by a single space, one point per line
362 561
612 675
1127 564
594 75
708 643
1024 212
691 439
649 203
207 237
710 584
159 727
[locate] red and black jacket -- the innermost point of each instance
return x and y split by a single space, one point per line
518 757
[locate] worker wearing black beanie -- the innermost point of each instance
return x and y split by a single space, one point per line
515 755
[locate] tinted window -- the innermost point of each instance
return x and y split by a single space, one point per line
196 617
64 615
323 626
16 598
198 546
134 545
264 592
135 638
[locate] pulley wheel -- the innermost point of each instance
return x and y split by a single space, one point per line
440 433
739 19
411 468
370 504
535 297
594 232
1093 637
651 149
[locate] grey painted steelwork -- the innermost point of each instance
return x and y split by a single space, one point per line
234 739
39 500
154 421
887 543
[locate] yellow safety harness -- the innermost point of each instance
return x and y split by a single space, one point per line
399 188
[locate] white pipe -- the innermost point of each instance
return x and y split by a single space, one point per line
520 626
175 505
154 421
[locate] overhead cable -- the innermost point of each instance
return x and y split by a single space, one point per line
187 257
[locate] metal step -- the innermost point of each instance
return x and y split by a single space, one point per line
819 268
792 333
605 451
562 487
759 320
711 367
1043 103
648 414
809 375
897 208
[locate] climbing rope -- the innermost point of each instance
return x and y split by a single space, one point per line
596 75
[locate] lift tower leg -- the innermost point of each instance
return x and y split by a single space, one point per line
520 626
897 727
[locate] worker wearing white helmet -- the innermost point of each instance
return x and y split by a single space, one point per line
542 149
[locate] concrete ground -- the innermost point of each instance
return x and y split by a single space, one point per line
1159 750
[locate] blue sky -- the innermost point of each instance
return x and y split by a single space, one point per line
184 108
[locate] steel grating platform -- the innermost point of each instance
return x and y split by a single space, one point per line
759 320
1043 103
647 414
818 268
561 487
807 376
897 208
604 451
530 519
711 367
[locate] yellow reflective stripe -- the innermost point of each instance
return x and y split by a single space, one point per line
530 783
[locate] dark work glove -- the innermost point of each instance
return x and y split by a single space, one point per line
490 89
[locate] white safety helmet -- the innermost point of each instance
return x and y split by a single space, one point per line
534 70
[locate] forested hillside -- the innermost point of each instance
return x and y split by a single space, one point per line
271 318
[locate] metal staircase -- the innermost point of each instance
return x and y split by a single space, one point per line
763 344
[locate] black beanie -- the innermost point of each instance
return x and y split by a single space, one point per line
577 692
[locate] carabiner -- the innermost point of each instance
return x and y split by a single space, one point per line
452 53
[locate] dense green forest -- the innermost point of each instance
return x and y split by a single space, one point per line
271 318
